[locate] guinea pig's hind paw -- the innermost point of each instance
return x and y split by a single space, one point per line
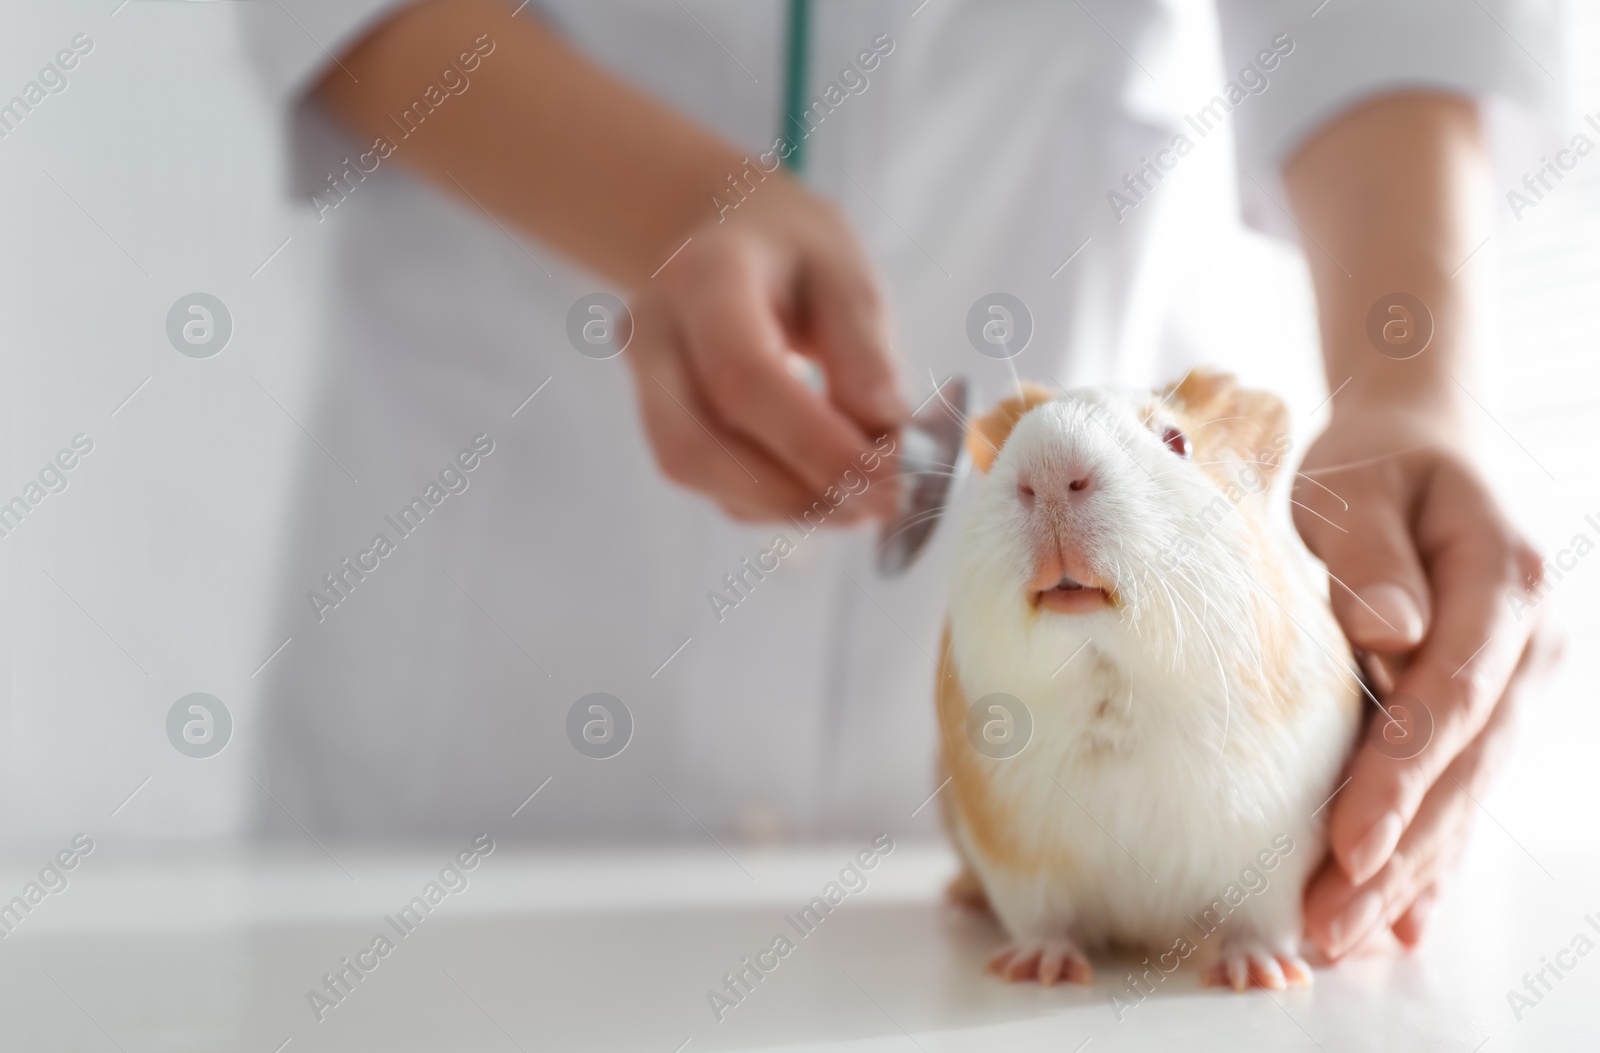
1246 964
1049 961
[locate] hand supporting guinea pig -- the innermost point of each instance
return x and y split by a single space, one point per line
1392 197
724 412
1424 563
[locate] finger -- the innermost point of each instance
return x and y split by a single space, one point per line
852 342
1378 589
693 450
742 512
1454 684
1341 912
1414 922
1382 670
738 353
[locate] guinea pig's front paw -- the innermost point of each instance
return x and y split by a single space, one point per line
1247 961
1046 959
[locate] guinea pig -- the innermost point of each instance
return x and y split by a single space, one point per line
1144 697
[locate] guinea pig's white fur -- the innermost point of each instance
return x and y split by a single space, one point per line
1180 737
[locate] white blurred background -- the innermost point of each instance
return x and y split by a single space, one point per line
156 174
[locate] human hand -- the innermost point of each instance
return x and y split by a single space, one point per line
725 410
714 322
1426 568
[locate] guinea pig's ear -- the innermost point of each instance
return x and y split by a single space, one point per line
986 434
1227 422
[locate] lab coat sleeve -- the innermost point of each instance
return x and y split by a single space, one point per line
1496 51
294 42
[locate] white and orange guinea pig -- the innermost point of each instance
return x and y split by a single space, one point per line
1144 695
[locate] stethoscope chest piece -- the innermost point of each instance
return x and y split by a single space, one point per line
930 456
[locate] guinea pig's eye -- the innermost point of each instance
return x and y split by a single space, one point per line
1176 441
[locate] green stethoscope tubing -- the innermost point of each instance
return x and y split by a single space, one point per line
794 87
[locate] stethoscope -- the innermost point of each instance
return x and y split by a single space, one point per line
797 53
930 442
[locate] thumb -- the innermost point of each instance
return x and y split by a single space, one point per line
850 333
1378 589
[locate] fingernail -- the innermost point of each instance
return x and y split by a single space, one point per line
1353 924
1385 613
887 403
1372 851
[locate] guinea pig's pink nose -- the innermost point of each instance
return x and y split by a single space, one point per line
1060 487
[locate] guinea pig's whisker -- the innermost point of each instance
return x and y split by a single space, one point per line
1216 653
1204 596
1358 598
963 419
1330 469
1172 605
920 517
1319 515
1133 606
1227 696
1216 420
1255 651
1238 460
1330 490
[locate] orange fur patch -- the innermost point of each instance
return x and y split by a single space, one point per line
971 802
1230 429
986 434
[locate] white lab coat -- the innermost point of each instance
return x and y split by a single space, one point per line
982 155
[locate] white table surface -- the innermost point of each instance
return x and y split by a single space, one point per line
190 951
